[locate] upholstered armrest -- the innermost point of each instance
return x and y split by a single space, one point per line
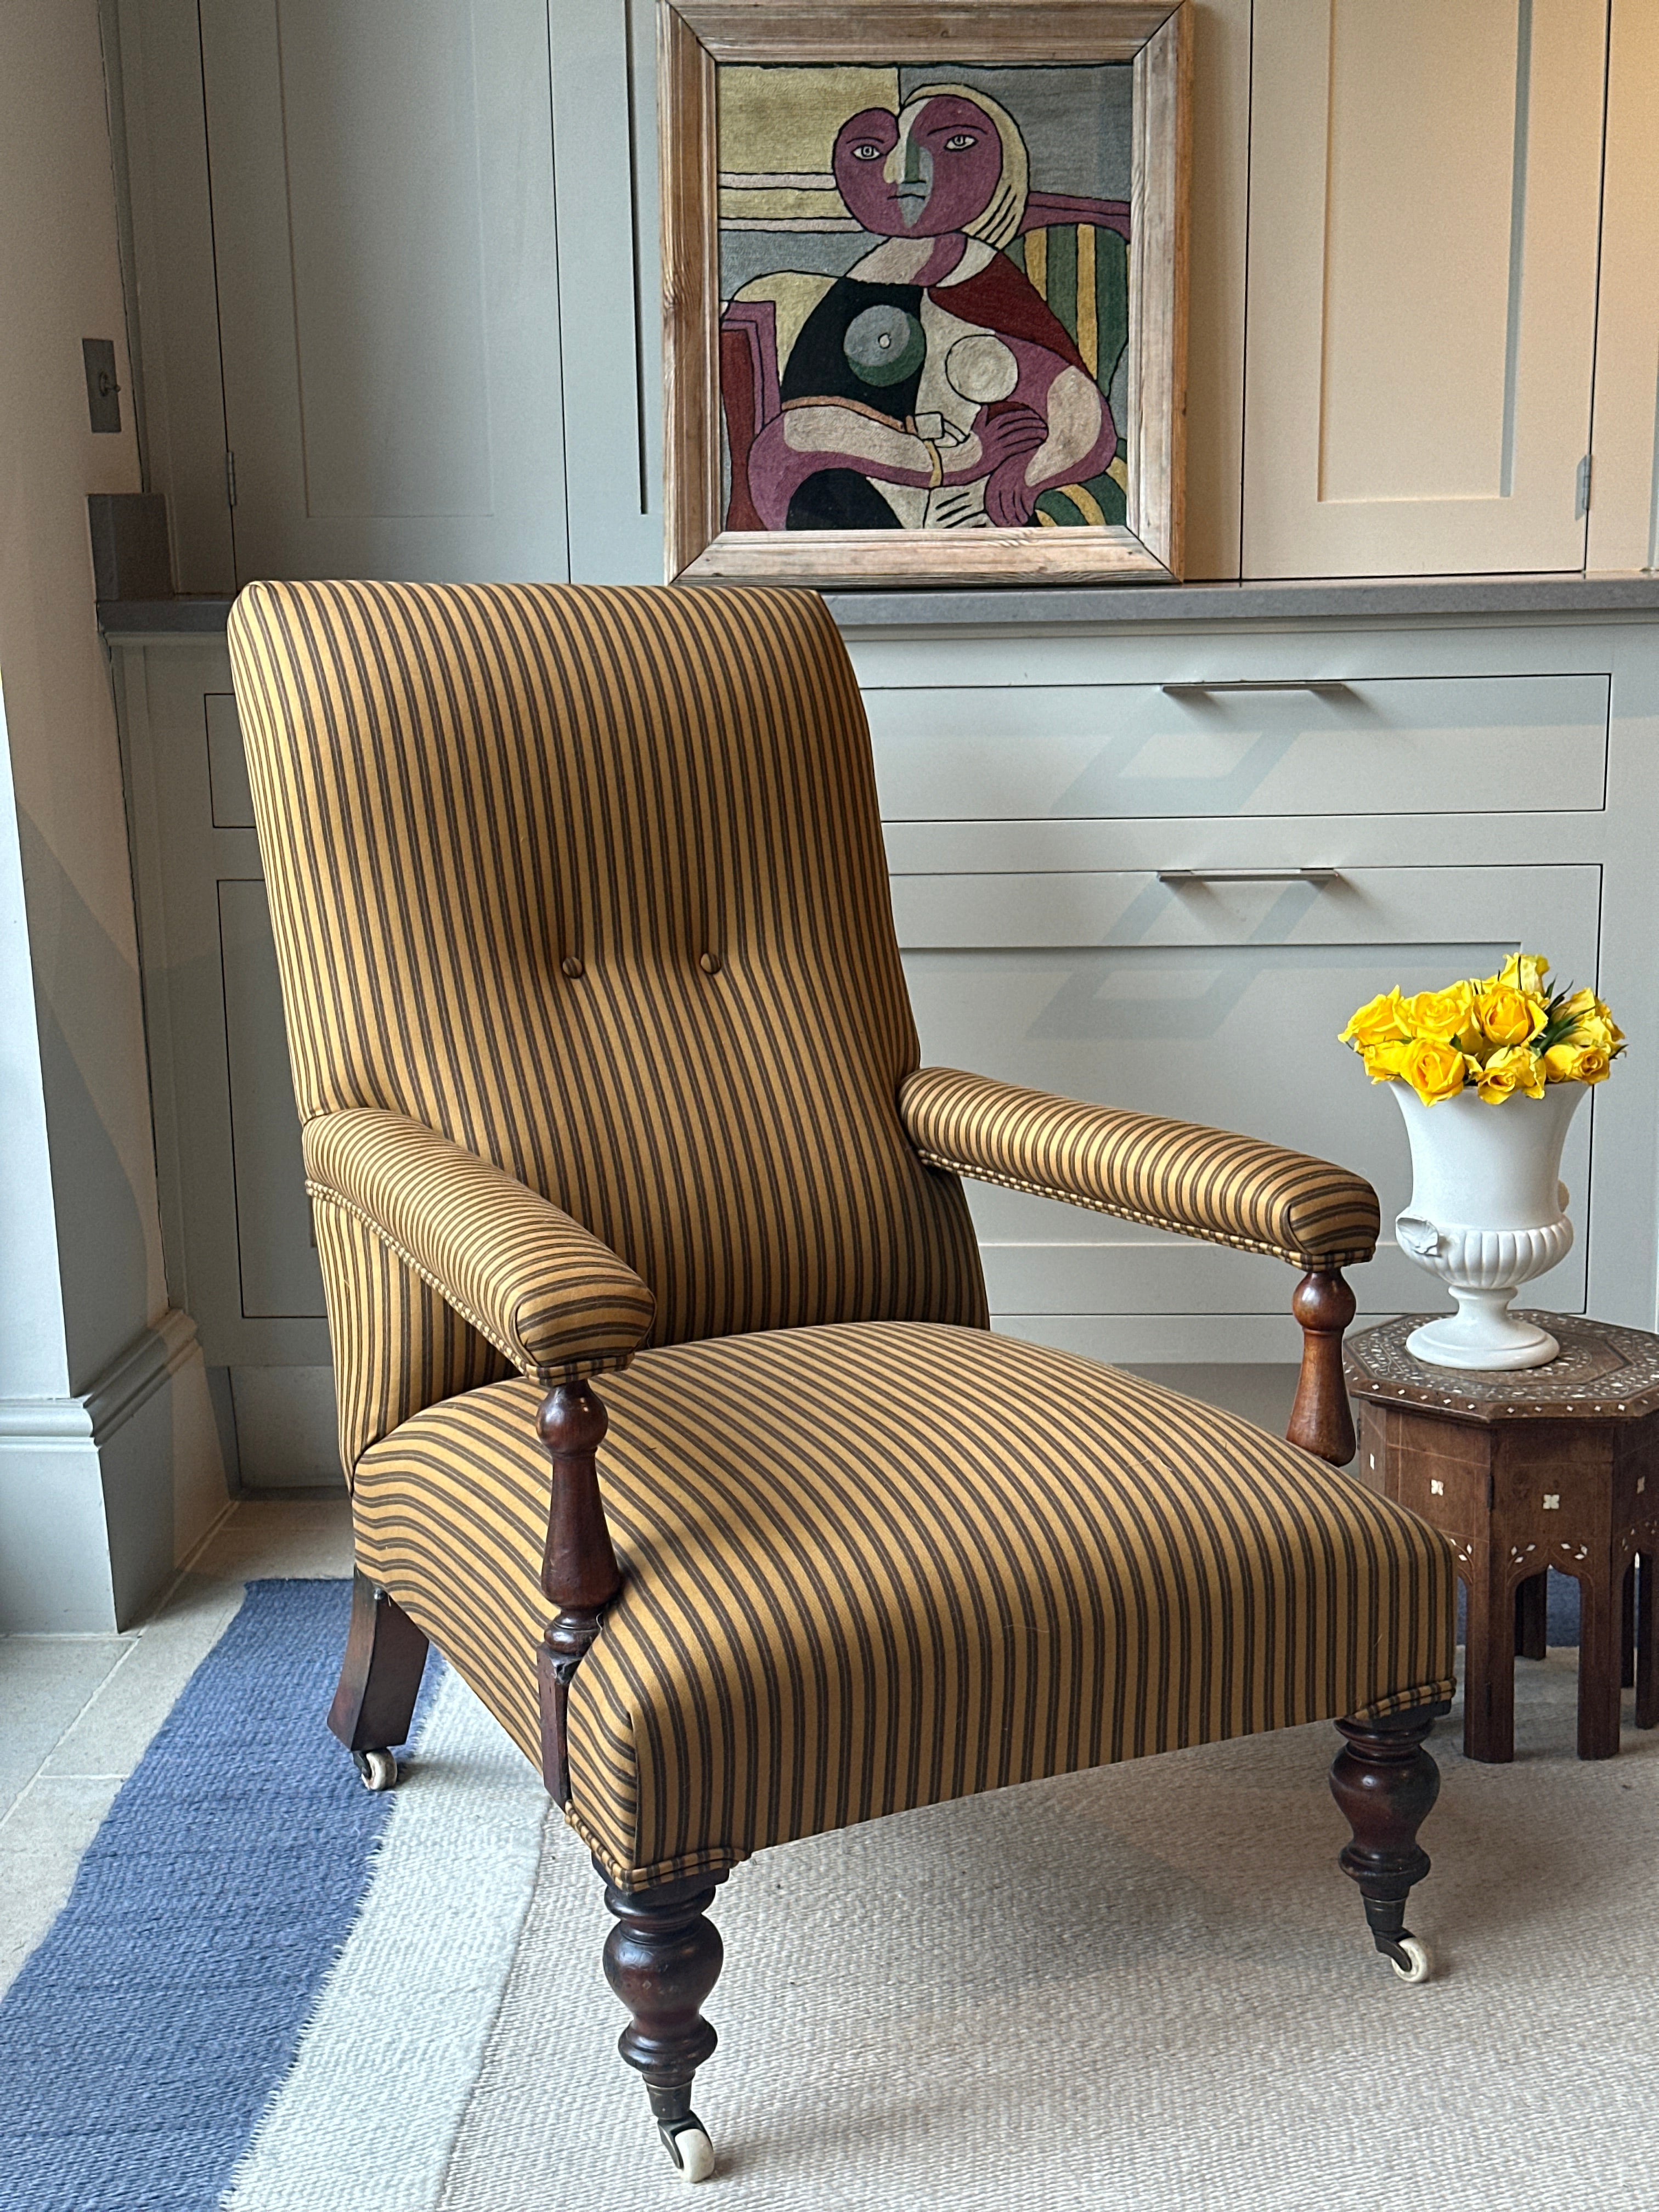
1171 1174
558 1303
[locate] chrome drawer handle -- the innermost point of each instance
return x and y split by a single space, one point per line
1258 683
1250 875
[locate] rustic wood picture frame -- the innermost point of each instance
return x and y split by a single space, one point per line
695 36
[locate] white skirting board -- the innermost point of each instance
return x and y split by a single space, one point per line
101 1494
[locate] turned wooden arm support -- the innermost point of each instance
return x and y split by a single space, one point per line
543 1290
580 1573
1209 1183
1322 1420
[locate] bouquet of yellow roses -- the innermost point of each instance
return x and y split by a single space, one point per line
1506 1036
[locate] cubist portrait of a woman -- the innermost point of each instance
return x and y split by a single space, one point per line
918 329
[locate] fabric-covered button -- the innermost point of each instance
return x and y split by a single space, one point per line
571 965
710 963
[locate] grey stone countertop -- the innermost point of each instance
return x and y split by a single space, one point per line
1020 606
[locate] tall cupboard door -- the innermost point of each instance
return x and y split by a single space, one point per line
1424 204
385 238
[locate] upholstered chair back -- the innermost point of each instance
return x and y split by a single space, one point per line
591 882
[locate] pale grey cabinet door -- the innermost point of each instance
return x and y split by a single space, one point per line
382 186
1426 204
1217 1003
235 1221
276 1250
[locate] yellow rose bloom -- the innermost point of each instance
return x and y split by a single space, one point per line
1577 1063
1513 1067
1379 1021
1507 1016
1590 1028
1525 971
1595 1064
1592 1022
1383 1062
1443 1016
1434 1069
1495 1085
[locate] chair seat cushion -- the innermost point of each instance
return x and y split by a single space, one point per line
881 1564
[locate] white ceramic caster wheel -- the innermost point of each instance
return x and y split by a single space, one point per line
1422 1961
379 1770
691 2152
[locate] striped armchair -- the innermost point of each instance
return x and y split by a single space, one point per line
607 1076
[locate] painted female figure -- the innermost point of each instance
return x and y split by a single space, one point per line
931 386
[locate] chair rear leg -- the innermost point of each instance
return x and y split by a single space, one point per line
380 1681
662 1959
1385 1783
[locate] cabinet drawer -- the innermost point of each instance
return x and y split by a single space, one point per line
1392 744
1221 1005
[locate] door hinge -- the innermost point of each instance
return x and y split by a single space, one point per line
230 478
1582 506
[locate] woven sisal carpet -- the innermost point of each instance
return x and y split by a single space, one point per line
1145 1989
1141 1990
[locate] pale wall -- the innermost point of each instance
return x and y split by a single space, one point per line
59 282
82 1285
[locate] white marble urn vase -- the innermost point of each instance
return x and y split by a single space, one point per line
1487 1213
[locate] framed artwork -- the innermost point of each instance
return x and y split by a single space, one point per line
925 268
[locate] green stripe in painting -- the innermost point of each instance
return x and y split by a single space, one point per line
1054 509
1111 300
1062 273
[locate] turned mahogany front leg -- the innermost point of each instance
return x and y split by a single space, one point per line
580 1573
380 1676
1321 1421
1385 1785
662 1959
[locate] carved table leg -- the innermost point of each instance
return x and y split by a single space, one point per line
1385 1785
1321 1420
380 1682
1627 1630
1532 1617
1647 1642
1489 1659
1601 1642
662 1959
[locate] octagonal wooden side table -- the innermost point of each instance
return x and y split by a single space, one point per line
1552 1467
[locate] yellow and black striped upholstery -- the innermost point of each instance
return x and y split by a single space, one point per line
552 1299
1171 1175
591 882
877 1566
600 1040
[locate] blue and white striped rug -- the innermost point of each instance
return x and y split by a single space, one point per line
1147 1987
240 1945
